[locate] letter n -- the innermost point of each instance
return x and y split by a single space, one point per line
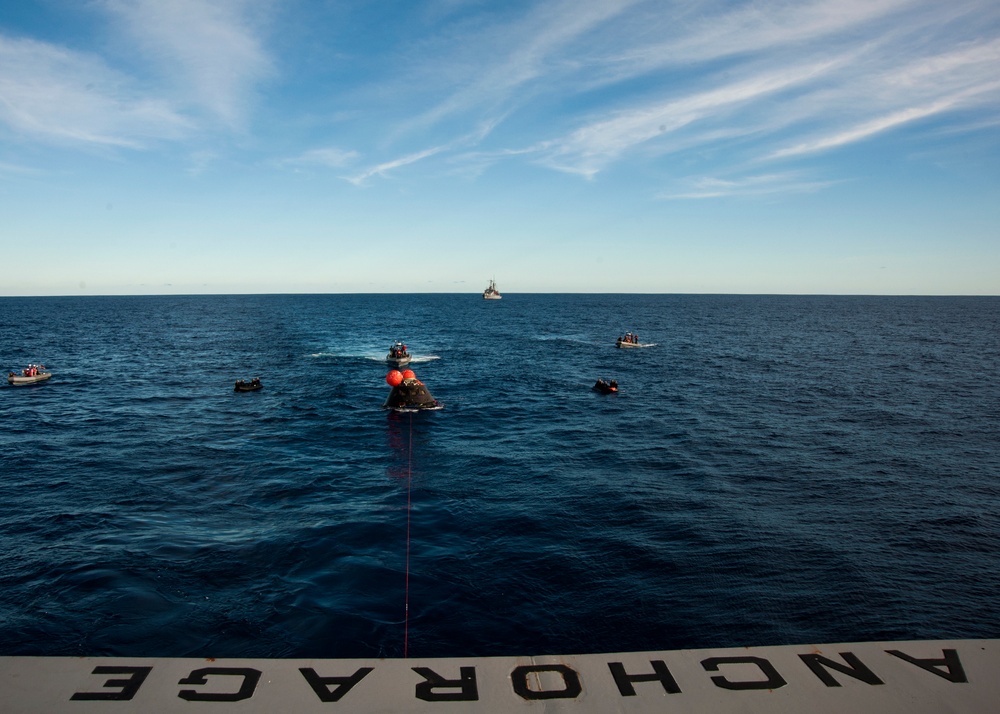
660 674
853 668
468 690
773 681
321 685
952 671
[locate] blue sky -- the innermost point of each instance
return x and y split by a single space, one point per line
233 146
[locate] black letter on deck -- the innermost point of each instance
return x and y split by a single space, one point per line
660 674
321 685
250 679
137 675
519 678
853 668
773 681
468 690
955 673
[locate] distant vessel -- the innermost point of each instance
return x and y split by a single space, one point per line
398 356
252 386
630 339
491 293
29 375
605 387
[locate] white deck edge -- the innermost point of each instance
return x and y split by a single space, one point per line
885 677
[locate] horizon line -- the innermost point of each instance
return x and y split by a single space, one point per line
705 294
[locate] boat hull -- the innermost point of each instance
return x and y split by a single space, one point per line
398 362
491 292
19 381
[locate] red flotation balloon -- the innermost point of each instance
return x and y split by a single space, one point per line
408 374
394 378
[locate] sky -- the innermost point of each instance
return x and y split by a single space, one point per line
636 146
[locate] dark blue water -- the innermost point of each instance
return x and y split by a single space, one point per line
774 470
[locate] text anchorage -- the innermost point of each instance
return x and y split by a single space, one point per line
435 687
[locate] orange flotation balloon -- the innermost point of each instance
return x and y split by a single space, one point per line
394 378
408 374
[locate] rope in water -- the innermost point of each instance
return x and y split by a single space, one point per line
409 484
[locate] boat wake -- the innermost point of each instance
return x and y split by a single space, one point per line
576 339
414 359
370 356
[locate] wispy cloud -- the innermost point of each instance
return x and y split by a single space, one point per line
923 88
576 86
591 147
560 50
384 168
202 59
56 94
507 58
866 129
207 51
16 170
829 75
759 185
331 157
710 31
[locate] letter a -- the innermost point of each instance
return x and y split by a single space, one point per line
953 670
321 685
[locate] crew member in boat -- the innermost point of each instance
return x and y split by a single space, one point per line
605 387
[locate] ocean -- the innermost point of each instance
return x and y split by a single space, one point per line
773 470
